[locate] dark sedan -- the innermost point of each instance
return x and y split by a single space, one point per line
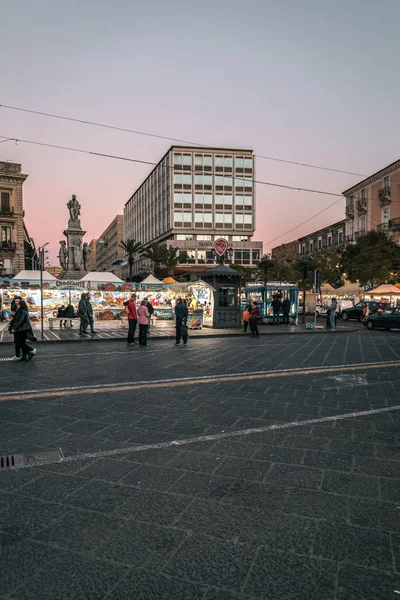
388 319
357 311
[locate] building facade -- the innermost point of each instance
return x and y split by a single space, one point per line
286 253
374 204
13 234
328 239
109 254
191 198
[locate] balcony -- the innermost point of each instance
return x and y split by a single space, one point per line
8 246
350 211
394 224
358 234
361 205
382 227
350 237
6 211
384 196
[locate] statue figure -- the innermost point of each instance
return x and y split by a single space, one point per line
63 255
74 208
77 254
86 256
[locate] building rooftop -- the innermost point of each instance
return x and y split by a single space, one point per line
337 224
374 177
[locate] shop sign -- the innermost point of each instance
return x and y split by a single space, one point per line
220 246
62 283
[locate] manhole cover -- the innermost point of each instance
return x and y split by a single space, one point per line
30 459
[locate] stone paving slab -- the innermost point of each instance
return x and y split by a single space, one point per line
307 512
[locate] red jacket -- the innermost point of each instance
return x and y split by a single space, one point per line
132 310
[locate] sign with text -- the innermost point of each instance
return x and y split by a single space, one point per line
220 246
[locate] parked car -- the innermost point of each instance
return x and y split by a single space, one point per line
321 310
387 319
357 311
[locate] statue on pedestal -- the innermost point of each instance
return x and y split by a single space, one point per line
77 254
74 208
86 256
63 255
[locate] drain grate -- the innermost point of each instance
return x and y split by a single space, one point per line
31 459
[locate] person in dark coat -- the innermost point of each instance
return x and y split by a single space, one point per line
19 327
69 312
89 308
276 309
82 311
150 308
286 311
181 315
254 320
60 315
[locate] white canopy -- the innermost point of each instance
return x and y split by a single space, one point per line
349 289
101 276
386 289
151 280
34 276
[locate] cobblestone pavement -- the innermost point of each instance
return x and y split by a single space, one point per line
253 483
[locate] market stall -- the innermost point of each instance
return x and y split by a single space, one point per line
264 296
387 293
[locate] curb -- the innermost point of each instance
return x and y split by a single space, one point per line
192 338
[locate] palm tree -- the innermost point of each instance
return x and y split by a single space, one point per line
172 258
156 253
131 247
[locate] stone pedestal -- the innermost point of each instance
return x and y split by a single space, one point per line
74 235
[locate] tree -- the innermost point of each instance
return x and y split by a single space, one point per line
375 259
156 253
304 268
266 268
172 257
329 266
131 247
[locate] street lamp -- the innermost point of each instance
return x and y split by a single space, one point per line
41 253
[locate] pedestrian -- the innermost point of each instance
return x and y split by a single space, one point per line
365 310
20 327
254 320
130 306
89 308
276 309
83 315
61 314
143 320
328 318
246 317
332 315
150 308
286 311
181 315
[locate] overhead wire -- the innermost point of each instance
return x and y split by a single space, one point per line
170 139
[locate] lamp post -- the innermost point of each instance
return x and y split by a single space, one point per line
41 254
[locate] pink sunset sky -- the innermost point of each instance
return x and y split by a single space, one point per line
314 82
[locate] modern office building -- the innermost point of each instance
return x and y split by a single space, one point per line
192 197
13 233
328 239
109 254
374 203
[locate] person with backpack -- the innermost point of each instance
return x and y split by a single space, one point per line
130 309
254 320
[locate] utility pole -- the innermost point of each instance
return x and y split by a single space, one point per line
41 265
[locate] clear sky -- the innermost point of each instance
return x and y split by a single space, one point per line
315 81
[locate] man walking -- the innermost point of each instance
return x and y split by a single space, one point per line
83 315
276 309
132 319
150 308
181 315
89 308
286 311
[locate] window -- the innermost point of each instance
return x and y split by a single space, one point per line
207 160
319 243
362 223
182 219
248 162
5 234
303 249
198 160
385 216
329 240
228 162
386 182
239 220
227 296
228 181
219 180
239 238
239 162
198 179
351 228
219 161
255 255
184 236
187 160
363 194
203 200
201 256
311 246
5 202
187 179
178 159
340 234
248 219
178 199
205 238
187 198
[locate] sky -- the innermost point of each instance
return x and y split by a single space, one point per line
313 81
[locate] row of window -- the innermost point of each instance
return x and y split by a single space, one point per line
219 218
219 180
207 256
320 245
207 199
209 238
206 160
363 193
